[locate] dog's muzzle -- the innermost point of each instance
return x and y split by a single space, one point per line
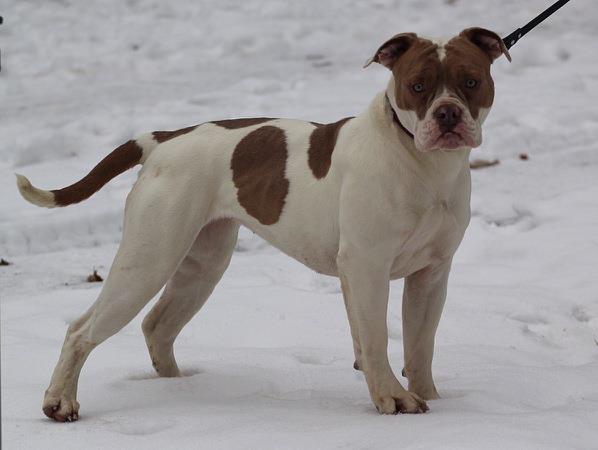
448 126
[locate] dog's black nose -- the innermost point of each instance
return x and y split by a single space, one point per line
447 116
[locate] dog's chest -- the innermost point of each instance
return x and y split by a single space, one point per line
429 236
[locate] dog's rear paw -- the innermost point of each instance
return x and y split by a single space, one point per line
61 409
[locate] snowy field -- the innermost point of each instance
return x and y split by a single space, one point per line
269 359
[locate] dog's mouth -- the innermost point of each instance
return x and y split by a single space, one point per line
455 139
450 140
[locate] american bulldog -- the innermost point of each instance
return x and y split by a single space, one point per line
368 199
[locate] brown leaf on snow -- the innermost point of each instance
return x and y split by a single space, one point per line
4 262
480 163
94 277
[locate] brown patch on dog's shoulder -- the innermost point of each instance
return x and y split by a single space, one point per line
163 136
321 145
233 124
258 164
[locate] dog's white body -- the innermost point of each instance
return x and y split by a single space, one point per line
414 208
383 210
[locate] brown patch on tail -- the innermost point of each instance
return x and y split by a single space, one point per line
121 159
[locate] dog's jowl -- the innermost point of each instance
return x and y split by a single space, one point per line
369 199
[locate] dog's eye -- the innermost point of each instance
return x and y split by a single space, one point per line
471 83
418 87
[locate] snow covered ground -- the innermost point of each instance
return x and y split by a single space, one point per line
269 359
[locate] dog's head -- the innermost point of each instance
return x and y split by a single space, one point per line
441 90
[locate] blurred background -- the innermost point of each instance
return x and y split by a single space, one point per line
270 358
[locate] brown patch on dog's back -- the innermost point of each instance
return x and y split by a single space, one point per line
321 145
163 136
233 124
258 164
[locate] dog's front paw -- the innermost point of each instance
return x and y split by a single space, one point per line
60 408
428 392
423 387
404 403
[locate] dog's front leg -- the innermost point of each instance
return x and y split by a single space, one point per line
423 299
365 284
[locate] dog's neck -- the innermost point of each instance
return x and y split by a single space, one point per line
405 120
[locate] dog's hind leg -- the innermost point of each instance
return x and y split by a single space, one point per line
187 291
159 227
357 365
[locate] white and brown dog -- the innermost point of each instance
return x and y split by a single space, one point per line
368 199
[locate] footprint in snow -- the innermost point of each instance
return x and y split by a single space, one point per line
520 220
528 318
138 426
150 374
580 314
314 360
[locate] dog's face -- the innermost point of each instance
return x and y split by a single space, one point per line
442 91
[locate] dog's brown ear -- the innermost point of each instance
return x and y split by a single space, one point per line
390 51
488 41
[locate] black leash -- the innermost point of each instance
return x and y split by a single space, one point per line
512 38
